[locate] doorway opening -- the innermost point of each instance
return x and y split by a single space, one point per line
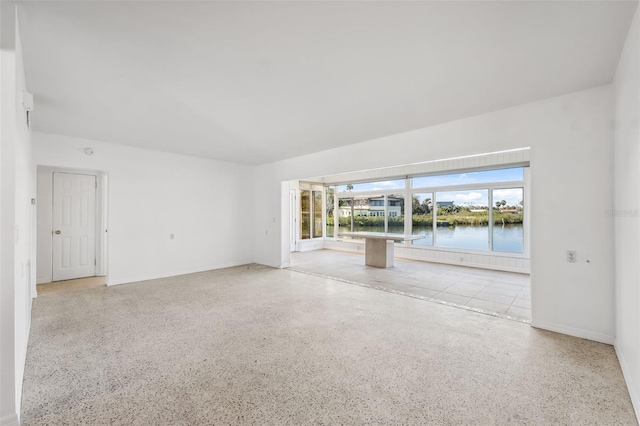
71 224
466 233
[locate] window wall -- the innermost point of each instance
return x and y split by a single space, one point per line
311 216
477 210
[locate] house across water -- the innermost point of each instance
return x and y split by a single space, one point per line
374 206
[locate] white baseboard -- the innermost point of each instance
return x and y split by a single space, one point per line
138 278
576 332
10 420
43 280
631 386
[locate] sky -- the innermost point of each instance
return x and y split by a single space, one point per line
480 197
472 197
502 175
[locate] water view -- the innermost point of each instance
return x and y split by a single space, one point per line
507 238
464 217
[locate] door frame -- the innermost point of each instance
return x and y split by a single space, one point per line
44 220
293 224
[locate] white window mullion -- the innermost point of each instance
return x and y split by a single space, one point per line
336 212
323 223
434 212
386 213
490 219
353 201
408 209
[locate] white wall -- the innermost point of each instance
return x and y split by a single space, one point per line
627 204
571 180
17 247
207 204
44 197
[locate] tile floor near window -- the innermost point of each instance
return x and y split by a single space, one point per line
493 292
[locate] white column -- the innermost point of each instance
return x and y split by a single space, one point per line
408 209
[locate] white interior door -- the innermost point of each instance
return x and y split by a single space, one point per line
74 226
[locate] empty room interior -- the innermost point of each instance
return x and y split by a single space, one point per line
319 212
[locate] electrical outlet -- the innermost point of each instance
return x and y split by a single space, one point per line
572 257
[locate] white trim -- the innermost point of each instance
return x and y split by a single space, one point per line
311 188
526 243
102 266
575 332
490 223
323 208
10 420
476 162
293 220
628 379
503 184
176 272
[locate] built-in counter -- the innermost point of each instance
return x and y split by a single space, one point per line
379 246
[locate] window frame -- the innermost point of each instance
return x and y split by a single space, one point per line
410 190
312 188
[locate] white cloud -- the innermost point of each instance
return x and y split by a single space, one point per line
470 197
512 195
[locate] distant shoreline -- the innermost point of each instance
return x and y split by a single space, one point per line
468 218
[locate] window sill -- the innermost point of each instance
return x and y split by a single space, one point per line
444 249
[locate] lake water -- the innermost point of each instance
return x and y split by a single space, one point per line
507 238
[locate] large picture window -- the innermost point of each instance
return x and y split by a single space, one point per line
476 210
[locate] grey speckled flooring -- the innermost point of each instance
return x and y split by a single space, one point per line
253 345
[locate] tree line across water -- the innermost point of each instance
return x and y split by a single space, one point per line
461 218
447 215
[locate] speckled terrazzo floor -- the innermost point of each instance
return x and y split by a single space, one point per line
254 345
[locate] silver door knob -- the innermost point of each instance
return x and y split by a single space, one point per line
58 232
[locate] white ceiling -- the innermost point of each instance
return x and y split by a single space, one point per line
255 82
